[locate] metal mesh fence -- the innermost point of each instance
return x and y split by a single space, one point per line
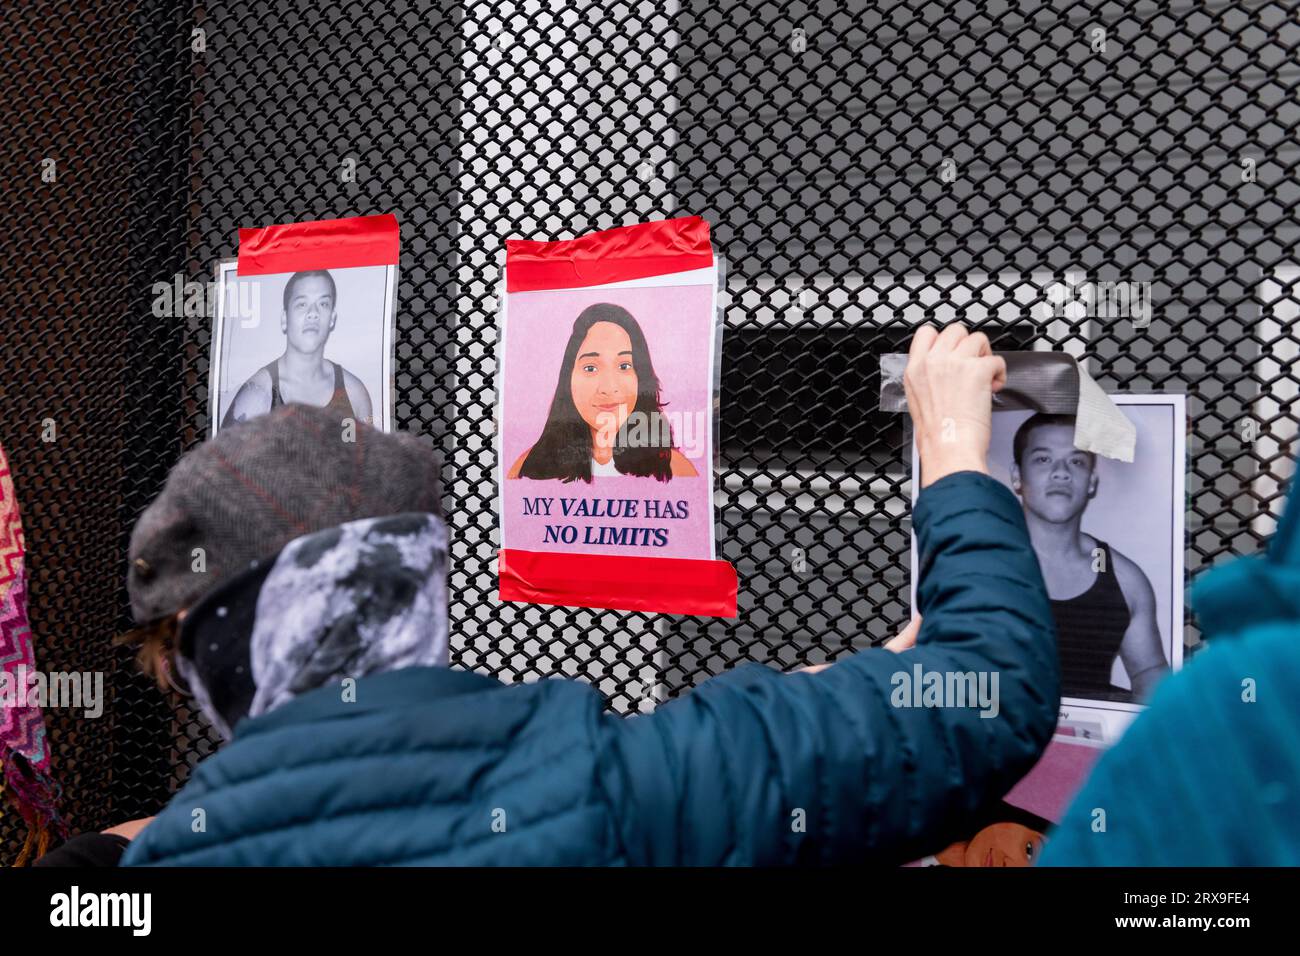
865 167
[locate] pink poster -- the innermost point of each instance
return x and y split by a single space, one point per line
606 421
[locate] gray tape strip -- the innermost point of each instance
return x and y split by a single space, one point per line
1050 382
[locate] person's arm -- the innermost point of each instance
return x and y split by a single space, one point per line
760 767
252 399
87 850
1141 650
129 830
359 396
1206 774
764 768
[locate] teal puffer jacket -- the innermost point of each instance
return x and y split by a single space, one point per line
1209 774
434 766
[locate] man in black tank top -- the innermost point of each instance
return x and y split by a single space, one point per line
302 373
1102 602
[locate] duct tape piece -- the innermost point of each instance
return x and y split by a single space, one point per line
1050 382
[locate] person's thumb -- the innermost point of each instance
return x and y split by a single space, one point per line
995 366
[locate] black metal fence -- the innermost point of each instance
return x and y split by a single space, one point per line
865 166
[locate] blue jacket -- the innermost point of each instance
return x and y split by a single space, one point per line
1209 775
434 766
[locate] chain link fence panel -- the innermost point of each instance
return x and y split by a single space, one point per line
865 167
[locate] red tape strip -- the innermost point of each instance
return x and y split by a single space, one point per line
325 244
619 583
614 255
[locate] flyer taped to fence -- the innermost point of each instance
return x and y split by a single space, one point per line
608 367
306 314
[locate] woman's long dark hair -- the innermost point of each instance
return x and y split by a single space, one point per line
564 449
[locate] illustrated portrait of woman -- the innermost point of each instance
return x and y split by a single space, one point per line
1012 837
606 382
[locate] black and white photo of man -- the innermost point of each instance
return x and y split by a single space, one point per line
1103 603
301 373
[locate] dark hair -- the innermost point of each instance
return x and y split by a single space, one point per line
564 449
155 645
1020 443
310 274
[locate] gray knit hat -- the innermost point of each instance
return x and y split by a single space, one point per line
244 494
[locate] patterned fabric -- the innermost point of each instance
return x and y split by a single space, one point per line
25 780
362 598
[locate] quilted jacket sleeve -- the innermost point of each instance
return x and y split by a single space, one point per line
759 767
1207 774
